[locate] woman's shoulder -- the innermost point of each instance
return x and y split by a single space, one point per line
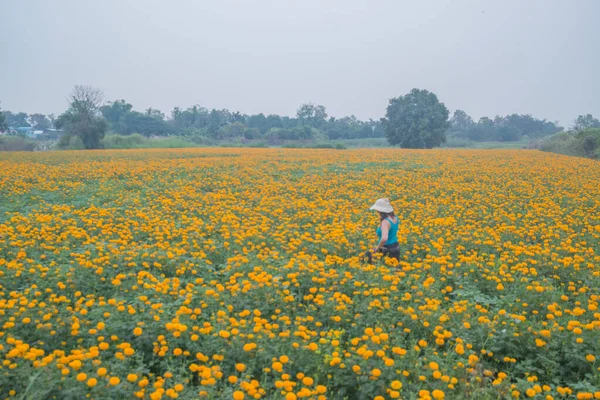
386 221
393 220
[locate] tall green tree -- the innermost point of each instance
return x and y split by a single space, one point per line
3 124
416 120
461 125
586 122
16 120
259 121
40 121
155 113
83 117
114 113
312 115
143 123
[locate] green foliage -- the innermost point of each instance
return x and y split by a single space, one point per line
260 144
212 126
15 120
512 127
366 142
137 141
83 118
144 124
238 131
584 143
586 122
114 112
122 142
416 120
16 143
123 120
590 141
70 142
3 124
457 142
40 121
196 135
561 143
75 143
296 133
312 115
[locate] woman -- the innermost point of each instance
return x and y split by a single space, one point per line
387 232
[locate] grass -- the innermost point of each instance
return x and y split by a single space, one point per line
453 143
562 143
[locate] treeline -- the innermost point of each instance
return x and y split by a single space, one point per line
582 141
508 128
310 123
416 120
196 123
36 121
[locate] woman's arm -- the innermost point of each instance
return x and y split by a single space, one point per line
385 229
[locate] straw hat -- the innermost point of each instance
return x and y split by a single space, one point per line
382 205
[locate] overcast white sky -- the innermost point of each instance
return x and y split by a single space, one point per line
486 57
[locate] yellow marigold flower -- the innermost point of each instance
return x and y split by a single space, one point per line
240 367
438 394
590 358
277 366
238 395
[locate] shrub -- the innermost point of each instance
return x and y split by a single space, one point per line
123 142
585 143
590 142
75 143
16 143
260 144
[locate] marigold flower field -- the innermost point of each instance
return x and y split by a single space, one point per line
236 274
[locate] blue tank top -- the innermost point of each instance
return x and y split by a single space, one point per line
392 233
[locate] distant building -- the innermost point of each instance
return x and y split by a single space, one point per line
22 130
32 133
